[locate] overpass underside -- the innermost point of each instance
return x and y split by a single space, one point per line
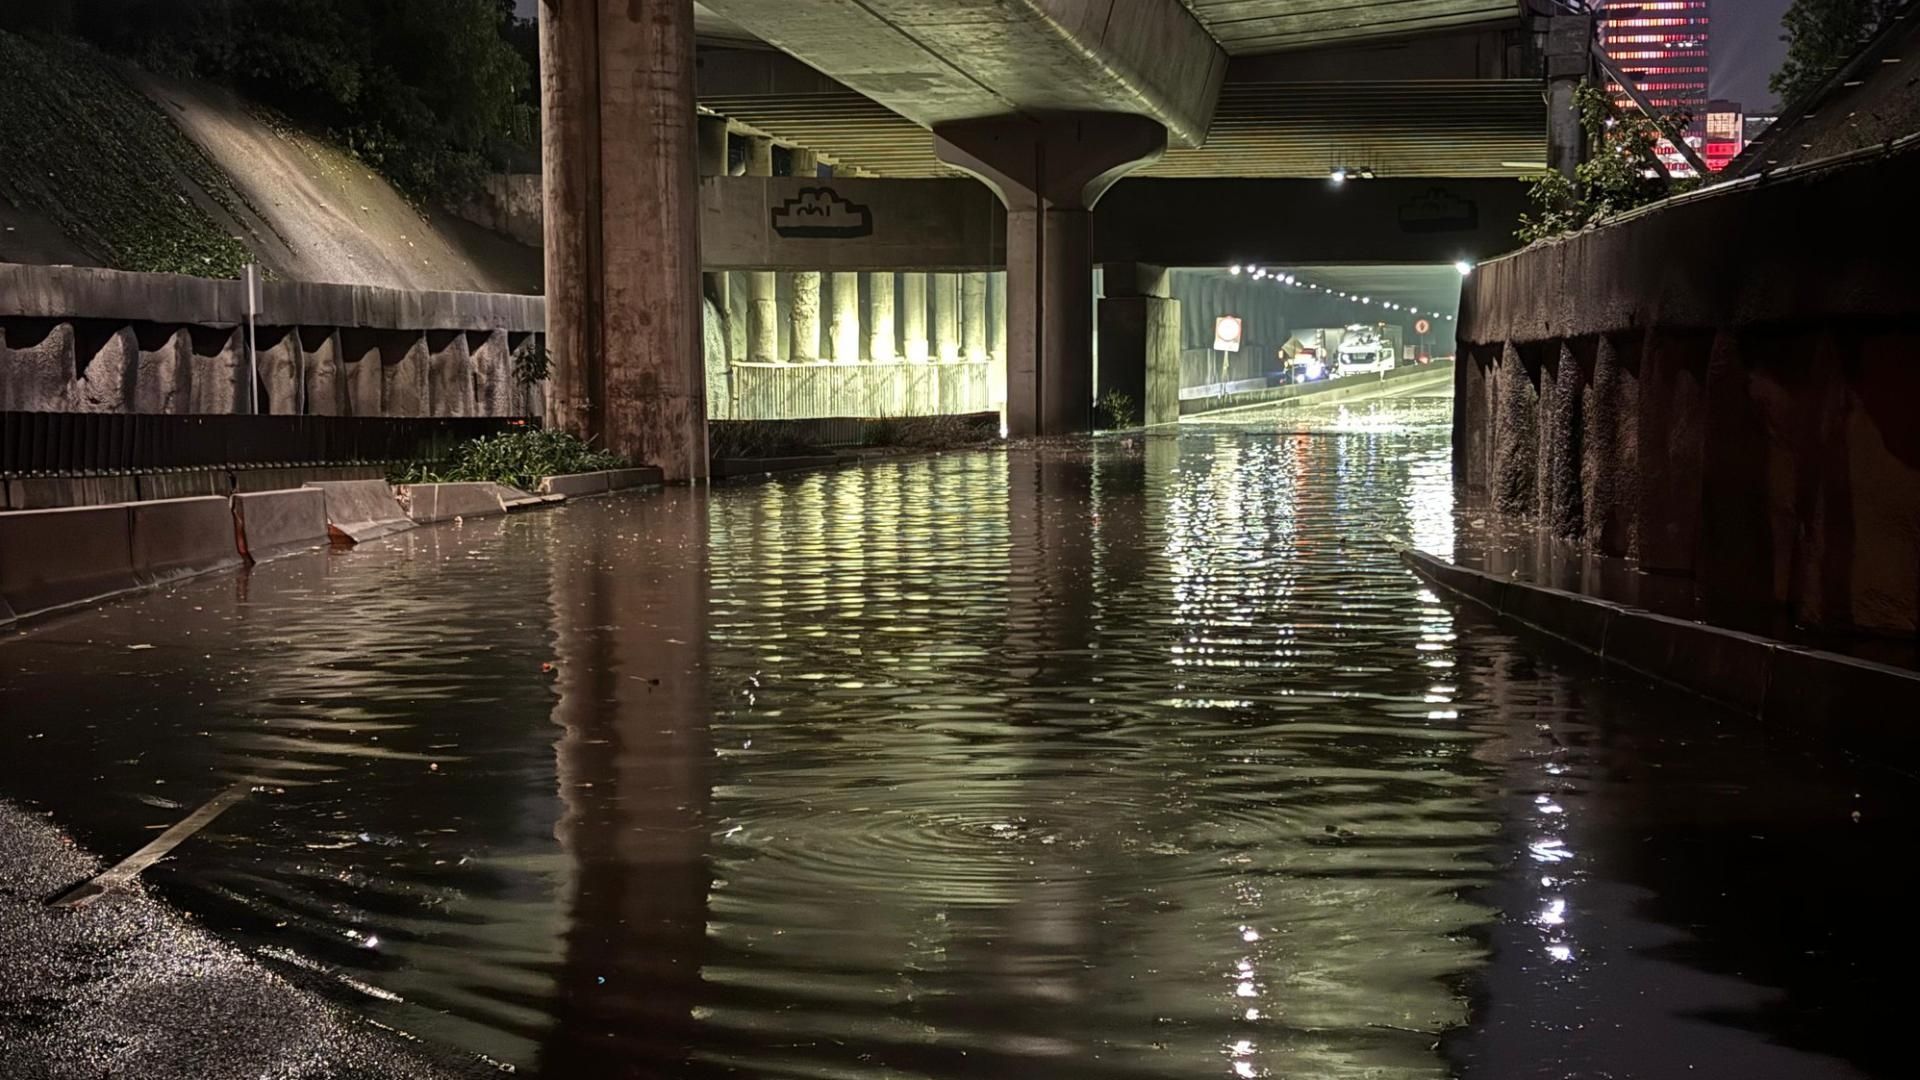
1048 104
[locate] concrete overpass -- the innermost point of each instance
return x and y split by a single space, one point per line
1048 102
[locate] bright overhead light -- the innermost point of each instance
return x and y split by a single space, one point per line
1338 176
1236 268
1366 299
1464 267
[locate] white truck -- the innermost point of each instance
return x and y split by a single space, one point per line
1365 350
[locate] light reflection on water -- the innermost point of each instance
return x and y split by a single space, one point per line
1135 758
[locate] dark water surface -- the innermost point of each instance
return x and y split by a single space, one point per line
1143 758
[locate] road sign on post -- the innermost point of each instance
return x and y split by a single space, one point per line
1422 326
1226 333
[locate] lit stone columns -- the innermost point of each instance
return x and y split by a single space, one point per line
973 317
763 297
713 162
880 343
946 317
1049 172
997 354
804 330
913 316
845 329
621 184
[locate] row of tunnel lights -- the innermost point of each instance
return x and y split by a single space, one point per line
1258 273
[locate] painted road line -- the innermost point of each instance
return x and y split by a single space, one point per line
130 867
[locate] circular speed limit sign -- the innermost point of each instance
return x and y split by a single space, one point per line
1422 326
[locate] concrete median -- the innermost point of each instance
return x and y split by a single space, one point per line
361 510
51 559
274 523
176 538
428 503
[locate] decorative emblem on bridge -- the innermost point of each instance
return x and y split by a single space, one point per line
821 213
1439 210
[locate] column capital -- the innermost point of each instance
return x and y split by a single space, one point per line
1057 161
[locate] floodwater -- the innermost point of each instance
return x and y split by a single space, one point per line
1134 758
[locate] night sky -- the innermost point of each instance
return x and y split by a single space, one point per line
1746 50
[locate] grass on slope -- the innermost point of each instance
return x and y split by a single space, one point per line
82 146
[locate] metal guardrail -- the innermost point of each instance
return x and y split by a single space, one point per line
68 444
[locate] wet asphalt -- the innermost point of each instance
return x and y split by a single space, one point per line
128 987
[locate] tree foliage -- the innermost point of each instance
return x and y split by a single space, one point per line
1820 36
434 93
1622 170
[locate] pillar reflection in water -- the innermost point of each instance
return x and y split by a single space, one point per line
633 759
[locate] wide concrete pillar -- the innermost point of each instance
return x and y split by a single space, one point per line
622 229
997 351
803 331
913 317
1139 356
1049 172
973 317
880 330
946 317
763 295
845 327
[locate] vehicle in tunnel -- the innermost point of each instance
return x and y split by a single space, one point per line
1364 350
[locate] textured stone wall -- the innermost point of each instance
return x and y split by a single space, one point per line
83 340
1724 387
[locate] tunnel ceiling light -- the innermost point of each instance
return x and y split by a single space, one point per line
1338 176
1236 268
1464 267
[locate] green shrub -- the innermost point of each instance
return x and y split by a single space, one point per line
517 459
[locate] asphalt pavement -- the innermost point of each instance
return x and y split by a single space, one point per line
126 986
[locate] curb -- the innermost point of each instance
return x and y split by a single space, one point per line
1755 676
52 559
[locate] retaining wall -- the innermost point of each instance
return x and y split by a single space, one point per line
74 339
1722 386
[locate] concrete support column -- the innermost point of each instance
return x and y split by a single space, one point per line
845 328
1569 61
997 364
1049 172
973 317
622 229
1139 344
880 333
913 316
803 333
763 296
946 317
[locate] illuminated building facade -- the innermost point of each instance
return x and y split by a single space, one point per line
1662 46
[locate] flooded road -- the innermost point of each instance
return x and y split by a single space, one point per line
1141 758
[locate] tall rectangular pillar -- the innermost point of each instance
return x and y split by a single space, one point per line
622 229
946 317
803 333
880 339
763 297
973 317
913 317
845 328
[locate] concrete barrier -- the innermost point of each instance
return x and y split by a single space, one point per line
361 510
643 476
576 485
274 523
1756 676
176 538
50 559
428 503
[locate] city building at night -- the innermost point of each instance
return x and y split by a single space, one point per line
1663 46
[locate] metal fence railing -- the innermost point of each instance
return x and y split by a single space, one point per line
54 444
